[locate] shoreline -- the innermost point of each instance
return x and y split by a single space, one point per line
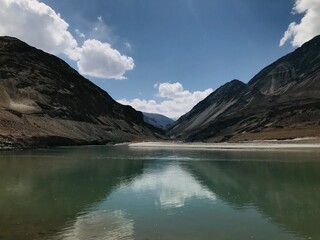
254 145
294 144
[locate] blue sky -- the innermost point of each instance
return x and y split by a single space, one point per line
200 43
173 49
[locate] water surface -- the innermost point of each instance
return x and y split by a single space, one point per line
111 193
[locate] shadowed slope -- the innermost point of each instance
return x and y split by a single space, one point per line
43 101
280 102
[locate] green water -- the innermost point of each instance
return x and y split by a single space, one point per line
120 193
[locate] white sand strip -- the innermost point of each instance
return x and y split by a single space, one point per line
249 145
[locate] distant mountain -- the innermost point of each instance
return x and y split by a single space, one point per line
44 102
280 102
157 120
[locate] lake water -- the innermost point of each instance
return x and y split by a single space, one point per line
111 193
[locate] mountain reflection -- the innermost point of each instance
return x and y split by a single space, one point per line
43 190
118 193
163 185
287 192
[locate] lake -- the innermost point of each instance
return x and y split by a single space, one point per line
115 192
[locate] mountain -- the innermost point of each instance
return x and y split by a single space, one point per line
44 102
157 120
281 102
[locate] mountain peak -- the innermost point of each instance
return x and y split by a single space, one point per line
283 74
9 39
312 42
228 90
9 43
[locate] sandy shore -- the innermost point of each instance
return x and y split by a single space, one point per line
228 146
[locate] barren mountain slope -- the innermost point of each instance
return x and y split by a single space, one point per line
280 102
44 102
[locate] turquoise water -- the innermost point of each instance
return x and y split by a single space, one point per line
113 192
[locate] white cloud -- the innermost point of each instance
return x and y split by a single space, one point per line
127 45
175 101
100 60
309 26
172 91
79 33
39 25
100 30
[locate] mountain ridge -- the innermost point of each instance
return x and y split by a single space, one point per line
281 102
45 102
157 120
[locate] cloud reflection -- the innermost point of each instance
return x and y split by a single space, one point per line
100 225
173 186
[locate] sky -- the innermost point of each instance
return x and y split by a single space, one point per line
163 56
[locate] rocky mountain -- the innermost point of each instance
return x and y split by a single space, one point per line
157 120
44 102
280 102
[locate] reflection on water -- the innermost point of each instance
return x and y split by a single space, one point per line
172 186
42 191
118 193
99 225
